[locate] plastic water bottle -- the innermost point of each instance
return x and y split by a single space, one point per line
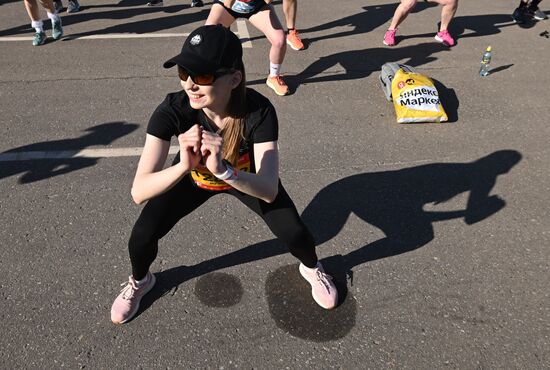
485 62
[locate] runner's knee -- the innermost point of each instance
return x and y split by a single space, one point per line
278 40
408 5
297 237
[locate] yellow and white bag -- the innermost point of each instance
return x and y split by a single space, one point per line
416 99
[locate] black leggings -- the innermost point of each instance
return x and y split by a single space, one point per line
160 214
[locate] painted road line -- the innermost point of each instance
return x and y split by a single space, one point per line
71 154
136 152
114 36
106 36
242 32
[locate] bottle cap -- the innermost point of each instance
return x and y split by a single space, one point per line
489 48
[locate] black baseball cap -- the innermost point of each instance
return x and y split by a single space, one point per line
207 50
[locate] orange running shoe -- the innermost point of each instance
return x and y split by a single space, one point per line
294 41
277 84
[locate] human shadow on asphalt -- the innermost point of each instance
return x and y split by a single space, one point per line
392 201
46 165
361 63
495 23
142 26
370 19
5 2
470 26
480 25
149 25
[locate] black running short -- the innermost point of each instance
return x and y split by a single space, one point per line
244 9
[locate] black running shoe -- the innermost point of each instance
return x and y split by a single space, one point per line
73 6
196 3
155 3
536 13
519 15
58 6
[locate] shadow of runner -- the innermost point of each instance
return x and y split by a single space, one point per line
40 169
479 25
148 25
370 19
361 63
5 2
392 201
123 14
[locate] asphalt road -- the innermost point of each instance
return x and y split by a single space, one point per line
430 277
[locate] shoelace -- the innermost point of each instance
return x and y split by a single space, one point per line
280 81
128 290
323 278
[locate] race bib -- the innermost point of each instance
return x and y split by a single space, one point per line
243 7
204 179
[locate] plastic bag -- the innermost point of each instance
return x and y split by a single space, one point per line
416 99
387 73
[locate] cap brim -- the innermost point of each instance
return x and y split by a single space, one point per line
192 64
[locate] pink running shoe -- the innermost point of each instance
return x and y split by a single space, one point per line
126 304
389 37
322 288
445 37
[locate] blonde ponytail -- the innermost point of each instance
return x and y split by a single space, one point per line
233 131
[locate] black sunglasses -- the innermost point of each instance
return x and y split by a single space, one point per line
204 79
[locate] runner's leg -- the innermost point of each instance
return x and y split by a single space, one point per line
401 13
219 15
32 10
267 22
448 10
283 220
290 8
157 218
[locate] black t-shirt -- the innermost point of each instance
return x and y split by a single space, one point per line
175 116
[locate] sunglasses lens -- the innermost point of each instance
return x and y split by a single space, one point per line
199 79
183 75
204 79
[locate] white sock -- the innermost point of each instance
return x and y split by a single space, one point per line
274 69
38 26
54 17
